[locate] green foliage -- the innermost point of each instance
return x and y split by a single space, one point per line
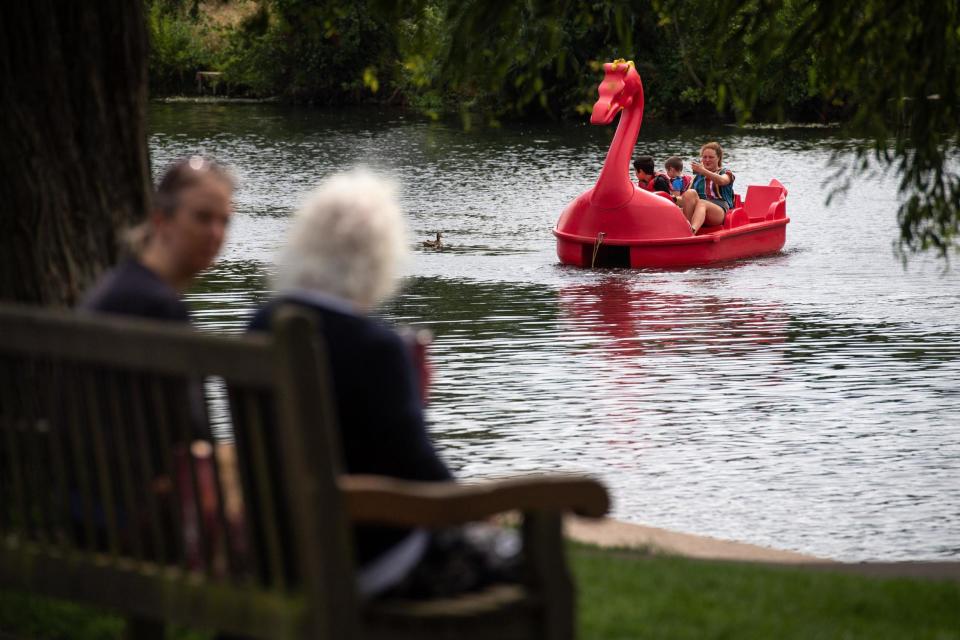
321 51
542 57
421 39
178 48
297 49
492 59
249 62
893 68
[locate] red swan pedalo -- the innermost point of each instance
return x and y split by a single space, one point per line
617 224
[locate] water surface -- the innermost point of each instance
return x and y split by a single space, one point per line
805 401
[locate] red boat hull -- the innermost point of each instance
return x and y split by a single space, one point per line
615 238
723 245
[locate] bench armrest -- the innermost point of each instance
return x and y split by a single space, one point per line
389 501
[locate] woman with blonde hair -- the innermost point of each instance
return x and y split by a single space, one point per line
710 197
182 235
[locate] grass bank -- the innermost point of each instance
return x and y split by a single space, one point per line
626 595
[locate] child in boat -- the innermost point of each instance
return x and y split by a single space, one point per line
678 182
648 178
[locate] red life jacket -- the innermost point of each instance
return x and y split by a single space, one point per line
648 186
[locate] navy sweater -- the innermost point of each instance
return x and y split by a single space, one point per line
134 290
378 405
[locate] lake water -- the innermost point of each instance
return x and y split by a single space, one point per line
806 401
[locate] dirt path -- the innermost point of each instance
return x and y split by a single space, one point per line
614 533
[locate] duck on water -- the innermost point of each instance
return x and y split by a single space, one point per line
435 244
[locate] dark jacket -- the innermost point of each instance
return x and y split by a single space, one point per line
379 410
659 182
132 289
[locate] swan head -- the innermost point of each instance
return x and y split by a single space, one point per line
620 88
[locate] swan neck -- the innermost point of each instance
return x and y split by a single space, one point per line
614 187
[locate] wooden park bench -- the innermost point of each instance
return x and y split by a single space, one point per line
99 504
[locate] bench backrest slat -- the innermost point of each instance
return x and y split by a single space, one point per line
147 470
103 467
117 423
134 344
256 451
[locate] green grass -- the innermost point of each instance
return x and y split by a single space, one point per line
32 618
29 617
628 595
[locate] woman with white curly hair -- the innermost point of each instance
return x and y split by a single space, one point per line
347 242
341 261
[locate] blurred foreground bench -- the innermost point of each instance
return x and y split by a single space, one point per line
103 501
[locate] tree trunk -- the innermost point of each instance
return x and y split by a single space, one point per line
74 166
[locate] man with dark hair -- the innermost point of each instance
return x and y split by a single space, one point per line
648 178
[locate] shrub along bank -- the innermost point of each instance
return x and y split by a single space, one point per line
365 51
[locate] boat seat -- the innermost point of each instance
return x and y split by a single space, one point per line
763 202
736 217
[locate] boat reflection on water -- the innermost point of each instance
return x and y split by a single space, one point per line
655 363
636 322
